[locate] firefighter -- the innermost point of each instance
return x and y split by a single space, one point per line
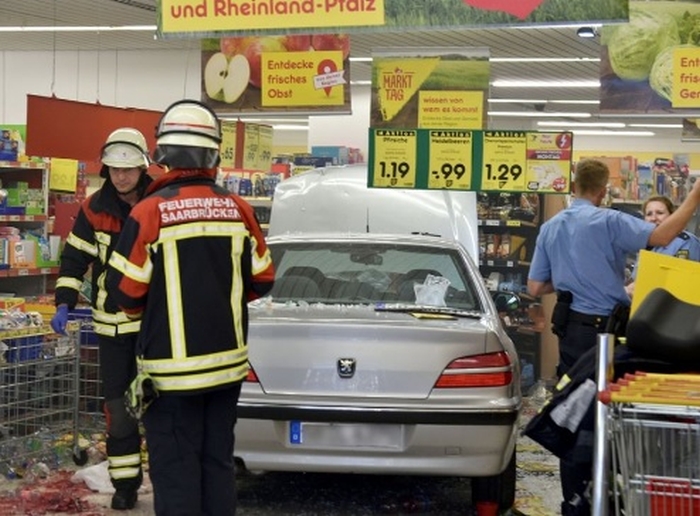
190 257
125 161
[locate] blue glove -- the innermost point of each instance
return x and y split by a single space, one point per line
60 319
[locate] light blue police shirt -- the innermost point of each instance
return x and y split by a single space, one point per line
686 245
583 250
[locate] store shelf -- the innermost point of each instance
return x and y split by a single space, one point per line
509 264
28 271
23 218
506 223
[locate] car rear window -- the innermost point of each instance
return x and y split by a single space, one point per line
357 272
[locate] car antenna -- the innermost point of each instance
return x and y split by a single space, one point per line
367 224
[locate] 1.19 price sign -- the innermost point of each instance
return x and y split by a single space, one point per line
505 160
450 165
395 158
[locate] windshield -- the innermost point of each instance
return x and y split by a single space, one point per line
371 273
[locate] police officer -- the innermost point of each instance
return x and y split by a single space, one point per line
90 243
580 253
686 245
190 257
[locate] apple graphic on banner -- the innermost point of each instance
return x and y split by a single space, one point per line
253 53
226 79
332 42
233 45
297 42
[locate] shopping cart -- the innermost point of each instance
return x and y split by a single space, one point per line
651 425
38 398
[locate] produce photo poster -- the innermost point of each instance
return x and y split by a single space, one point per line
649 65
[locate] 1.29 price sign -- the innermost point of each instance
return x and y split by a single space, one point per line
394 163
505 155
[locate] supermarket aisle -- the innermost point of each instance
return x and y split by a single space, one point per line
287 494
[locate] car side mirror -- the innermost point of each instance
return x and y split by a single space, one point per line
506 301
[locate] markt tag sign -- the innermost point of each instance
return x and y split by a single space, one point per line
448 109
503 161
303 79
686 77
398 80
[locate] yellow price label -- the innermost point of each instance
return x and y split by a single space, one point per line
228 144
450 160
505 158
395 158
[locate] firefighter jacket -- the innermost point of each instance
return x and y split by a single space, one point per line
90 243
190 257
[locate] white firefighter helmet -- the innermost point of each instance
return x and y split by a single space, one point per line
188 136
124 148
189 123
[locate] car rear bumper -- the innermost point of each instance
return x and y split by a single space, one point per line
376 442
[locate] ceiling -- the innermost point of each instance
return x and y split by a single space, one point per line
554 42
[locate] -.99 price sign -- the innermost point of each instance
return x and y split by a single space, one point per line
450 160
505 160
395 158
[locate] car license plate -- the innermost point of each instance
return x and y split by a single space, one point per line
346 435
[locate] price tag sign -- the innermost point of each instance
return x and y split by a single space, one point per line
395 156
228 144
450 160
505 160
549 162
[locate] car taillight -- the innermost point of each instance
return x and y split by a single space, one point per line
251 376
459 373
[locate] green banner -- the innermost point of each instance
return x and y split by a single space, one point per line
462 159
213 18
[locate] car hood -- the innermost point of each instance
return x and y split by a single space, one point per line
298 349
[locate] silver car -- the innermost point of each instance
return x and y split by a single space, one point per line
380 354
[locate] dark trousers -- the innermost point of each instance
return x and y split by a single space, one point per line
575 469
117 370
190 453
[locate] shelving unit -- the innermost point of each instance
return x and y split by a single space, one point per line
26 281
505 266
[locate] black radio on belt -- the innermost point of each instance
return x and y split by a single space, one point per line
560 314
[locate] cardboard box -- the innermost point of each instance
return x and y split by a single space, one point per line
12 303
23 253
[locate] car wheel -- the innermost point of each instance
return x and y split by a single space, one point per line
500 488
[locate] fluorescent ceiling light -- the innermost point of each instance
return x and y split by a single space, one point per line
591 102
610 125
290 127
360 59
360 83
591 132
536 101
544 84
538 114
658 126
587 32
545 59
80 28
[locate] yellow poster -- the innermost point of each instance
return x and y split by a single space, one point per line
313 78
265 148
251 146
63 175
686 77
394 163
505 159
228 143
206 16
451 109
450 160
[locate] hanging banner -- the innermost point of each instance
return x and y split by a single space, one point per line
501 161
442 88
292 74
650 65
214 18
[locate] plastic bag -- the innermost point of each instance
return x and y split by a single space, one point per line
432 291
95 477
